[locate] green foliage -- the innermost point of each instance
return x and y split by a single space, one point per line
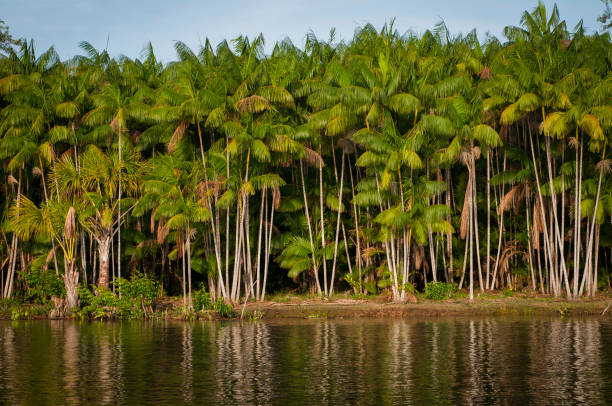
132 299
231 135
224 309
201 299
42 285
439 290
508 293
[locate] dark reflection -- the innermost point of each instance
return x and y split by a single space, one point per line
444 361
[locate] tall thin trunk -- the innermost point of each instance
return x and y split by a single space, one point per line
184 276
471 237
188 236
331 287
312 247
227 226
357 237
556 219
475 229
322 226
257 262
119 210
488 218
8 287
541 200
449 236
589 251
268 245
42 171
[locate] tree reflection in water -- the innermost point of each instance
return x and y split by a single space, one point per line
319 361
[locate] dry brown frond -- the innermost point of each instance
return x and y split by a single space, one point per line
48 259
511 249
605 165
476 152
177 136
369 252
153 219
162 230
210 188
538 226
485 73
312 157
347 145
114 124
465 212
70 224
252 104
276 197
419 254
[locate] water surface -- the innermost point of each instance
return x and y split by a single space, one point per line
441 361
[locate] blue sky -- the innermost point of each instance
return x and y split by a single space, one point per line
128 25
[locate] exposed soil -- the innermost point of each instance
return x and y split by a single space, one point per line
345 307
488 306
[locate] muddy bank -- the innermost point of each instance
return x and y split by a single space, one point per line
297 307
454 308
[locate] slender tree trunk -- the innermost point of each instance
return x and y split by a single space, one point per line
556 219
488 217
471 236
268 245
323 260
119 211
184 276
500 229
475 229
189 265
258 261
42 171
312 248
357 236
8 287
331 287
541 205
227 228
589 251
449 236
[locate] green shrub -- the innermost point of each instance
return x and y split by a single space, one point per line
508 293
201 299
439 290
133 299
224 309
42 285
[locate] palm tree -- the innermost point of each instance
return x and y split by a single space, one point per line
171 191
114 106
59 220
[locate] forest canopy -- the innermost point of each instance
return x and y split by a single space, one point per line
376 164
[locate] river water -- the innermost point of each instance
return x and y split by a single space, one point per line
506 361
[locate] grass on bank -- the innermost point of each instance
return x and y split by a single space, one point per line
140 298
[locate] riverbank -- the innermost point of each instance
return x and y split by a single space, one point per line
348 307
494 305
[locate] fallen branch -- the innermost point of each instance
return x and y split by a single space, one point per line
607 307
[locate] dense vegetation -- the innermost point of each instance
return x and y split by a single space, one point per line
382 163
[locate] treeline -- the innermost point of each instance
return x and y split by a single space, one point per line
381 163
